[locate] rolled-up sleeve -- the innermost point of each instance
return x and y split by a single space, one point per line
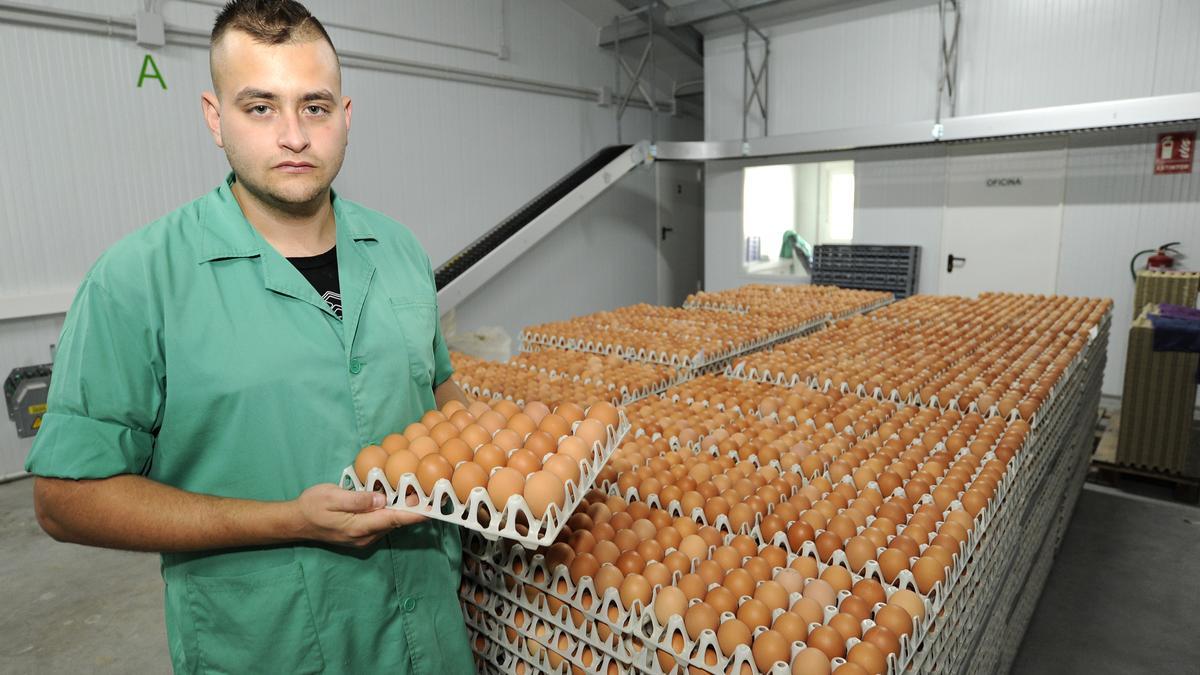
106 391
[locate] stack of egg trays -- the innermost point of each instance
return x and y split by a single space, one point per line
1057 452
502 521
1069 444
526 633
636 634
677 376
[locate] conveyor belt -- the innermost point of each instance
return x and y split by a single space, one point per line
476 250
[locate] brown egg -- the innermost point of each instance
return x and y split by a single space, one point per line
883 638
443 432
393 443
522 424
467 476
431 469
566 468
859 551
692 586
892 562
583 565
769 647
791 580
754 613
732 634
539 443
504 483
772 595
928 571
507 440
811 662
721 599
542 489
635 588
669 602
475 435
422 446
607 577
554 425
791 626
630 562
415 430
869 590
847 625
491 421
698 618
828 640
693 546
869 657
489 457
576 449
806 566
606 413
909 602
855 606
851 669
570 412
398 464
432 418
808 609
828 542
676 561
821 592
837 577
461 418
524 462
657 574
606 551
591 432
739 582
455 451
894 618
369 458
711 572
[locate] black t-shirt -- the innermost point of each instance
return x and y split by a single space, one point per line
322 272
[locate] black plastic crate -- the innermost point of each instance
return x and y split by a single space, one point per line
868 266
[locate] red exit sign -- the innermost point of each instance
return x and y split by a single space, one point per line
1174 152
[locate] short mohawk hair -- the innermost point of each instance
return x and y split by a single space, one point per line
272 22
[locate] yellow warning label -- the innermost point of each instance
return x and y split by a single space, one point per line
37 409
37 424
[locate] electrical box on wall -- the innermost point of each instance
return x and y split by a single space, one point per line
25 392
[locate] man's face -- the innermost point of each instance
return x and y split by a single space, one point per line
279 114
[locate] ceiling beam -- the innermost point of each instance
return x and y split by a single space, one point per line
686 39
703 10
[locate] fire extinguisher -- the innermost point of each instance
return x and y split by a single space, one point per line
1164 258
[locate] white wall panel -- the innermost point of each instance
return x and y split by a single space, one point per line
868 65
877 64
92 157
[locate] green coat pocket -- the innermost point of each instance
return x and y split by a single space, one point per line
260 622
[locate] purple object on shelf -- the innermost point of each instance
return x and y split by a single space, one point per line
1179 312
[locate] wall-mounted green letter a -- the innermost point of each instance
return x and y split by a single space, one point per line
150 72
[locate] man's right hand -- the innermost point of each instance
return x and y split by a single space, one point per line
335 515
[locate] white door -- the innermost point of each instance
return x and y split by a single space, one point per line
1003 217
680 230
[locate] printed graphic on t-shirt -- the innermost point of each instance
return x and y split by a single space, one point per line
334 300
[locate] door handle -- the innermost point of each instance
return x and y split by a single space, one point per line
665 230
950 260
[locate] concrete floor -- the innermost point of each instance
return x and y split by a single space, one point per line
70 608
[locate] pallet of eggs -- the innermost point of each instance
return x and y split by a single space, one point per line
634 380
770 299
681 338
676 596
489 380
1004 359
500 470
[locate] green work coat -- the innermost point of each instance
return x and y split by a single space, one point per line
196 355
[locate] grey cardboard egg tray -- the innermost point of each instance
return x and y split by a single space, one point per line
478 513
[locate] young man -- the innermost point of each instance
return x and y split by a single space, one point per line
221 366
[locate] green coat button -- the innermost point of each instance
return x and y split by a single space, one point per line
409 604
355 365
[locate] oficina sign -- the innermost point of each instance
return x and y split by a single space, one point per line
1174 152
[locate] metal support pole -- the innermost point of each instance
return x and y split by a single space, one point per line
643 85
947 60
754 80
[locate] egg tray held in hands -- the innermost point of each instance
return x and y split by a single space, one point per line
513 520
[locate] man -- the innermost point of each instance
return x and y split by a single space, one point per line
219 367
